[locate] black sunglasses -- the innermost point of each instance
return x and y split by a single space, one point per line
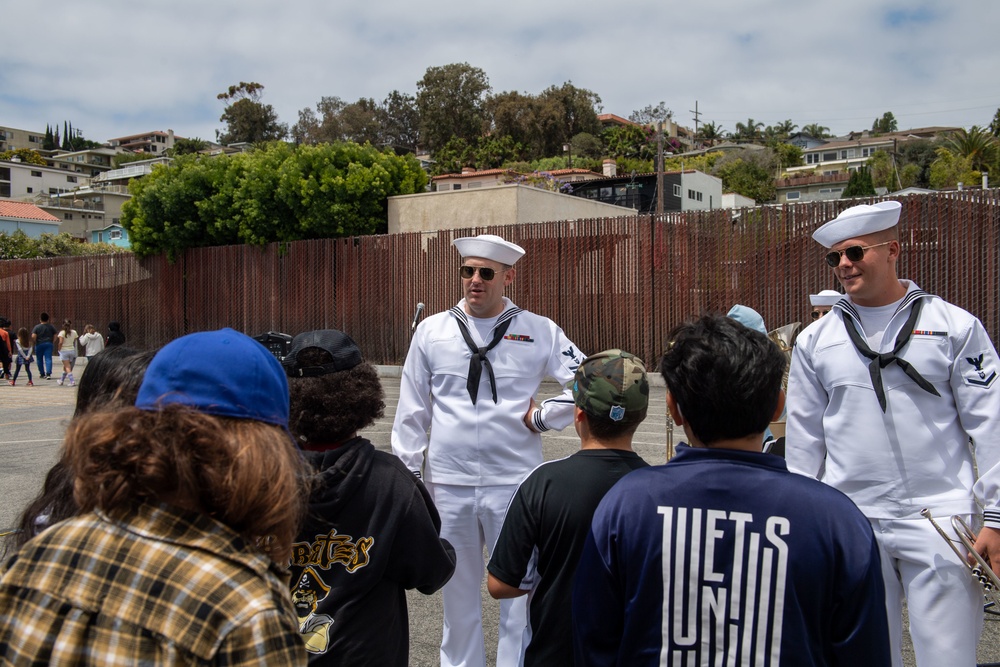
855 253
485 272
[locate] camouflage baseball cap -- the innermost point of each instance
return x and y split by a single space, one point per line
612 385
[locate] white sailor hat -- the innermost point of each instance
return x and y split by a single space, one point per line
858 221
826 297
489 246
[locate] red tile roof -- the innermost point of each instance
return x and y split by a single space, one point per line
22 211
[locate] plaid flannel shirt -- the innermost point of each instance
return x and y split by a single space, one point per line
157 586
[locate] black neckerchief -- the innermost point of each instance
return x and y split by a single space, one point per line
479 358
881 360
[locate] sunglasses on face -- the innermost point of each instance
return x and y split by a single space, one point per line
485 272
816 314
855 253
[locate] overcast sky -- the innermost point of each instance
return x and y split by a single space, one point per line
120 67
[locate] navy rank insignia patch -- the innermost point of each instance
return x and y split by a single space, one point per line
976 375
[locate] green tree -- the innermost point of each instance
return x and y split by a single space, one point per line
248 119
517 115
274 193
563 112
816 130
494 152
450 102
186 146
586 145
26 155
859 184
51 140
950 169
400 121
630 141
995 124
885 124
748 133
711 133
453 156
787 155
976 144
883 171
749 173
779 132
914 158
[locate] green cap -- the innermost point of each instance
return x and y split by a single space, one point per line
612 385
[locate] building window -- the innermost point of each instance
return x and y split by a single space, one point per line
677 190
458 186
30 190
67 216
114 235
5 190
4 173
71 179
100 237
477 184
792 195
829 156
690 194
36 174
868 152
812 158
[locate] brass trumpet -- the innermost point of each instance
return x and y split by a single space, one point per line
981 571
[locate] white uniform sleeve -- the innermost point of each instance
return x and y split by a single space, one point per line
565 357
413 413
805 441
977 398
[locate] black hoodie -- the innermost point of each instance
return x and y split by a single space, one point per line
372 532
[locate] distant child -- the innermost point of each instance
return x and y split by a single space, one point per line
66 346
92 341
25 355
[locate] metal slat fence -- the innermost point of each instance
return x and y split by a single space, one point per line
616 282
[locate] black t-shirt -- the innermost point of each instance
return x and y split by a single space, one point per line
551 512
44 332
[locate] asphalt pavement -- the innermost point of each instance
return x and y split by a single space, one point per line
33 420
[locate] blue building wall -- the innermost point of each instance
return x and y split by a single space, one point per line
33 229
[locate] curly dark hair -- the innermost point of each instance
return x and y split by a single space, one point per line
330 408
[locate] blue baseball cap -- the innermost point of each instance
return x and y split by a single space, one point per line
222 373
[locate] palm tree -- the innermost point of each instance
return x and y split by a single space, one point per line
816 130
711 133
978 145
748 133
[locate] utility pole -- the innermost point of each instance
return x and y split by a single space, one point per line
696 119
659 168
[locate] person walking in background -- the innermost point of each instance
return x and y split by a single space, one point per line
111 382
24 355
66 346
722 556
352 607
42 339
7 348
549 516
189 502
470 378
115 335
885 394
92 341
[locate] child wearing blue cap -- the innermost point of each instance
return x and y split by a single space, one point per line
189 504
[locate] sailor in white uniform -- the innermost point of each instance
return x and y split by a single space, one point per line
470 378
885 395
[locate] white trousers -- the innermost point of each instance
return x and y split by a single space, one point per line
943 601
471 517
